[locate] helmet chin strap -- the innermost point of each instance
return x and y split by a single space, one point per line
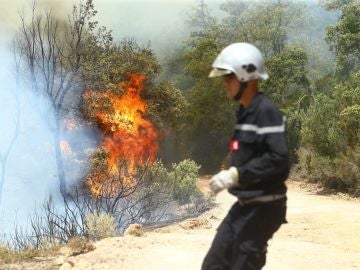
243 86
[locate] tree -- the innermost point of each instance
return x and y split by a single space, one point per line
52 53
167 109
200 19
288 76
106 66
106 63
319 129
265 24
344 37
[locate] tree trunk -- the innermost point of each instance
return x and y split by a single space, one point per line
59 158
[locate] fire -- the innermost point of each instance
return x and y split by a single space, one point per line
130 136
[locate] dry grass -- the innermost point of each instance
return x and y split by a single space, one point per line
100 226
80 245
194 223
134 230
76 246
10 256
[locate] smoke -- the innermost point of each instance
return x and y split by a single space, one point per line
9 15
162 23
28 174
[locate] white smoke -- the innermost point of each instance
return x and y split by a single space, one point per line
30 171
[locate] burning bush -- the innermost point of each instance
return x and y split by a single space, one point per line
128 135
125 183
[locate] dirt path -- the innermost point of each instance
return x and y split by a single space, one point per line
323 234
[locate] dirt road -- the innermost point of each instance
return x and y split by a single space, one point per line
323 234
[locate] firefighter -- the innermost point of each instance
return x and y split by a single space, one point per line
259 165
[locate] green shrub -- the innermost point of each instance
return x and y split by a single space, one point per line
305 156
330 136
322 168
158 176
350 122
178 182
184 176
319 129
293 127
348 169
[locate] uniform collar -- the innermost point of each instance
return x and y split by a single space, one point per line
253 105
255 102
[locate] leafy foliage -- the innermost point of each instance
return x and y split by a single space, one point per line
322 112
331 129
265 23
344 37
167 109
288 76
109 63
168 105
185 176
319 127
348 169
179 182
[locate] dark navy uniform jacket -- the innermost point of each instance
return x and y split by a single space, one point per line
259 150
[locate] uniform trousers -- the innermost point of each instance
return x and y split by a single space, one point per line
241 239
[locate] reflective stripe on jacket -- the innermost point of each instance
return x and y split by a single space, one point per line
260 153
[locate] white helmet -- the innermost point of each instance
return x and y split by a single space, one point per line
242 59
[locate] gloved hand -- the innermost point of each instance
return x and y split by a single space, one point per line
224 179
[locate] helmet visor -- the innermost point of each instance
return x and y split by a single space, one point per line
217 72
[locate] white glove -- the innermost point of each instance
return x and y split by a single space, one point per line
224 179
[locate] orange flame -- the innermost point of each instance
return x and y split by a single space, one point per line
131 137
